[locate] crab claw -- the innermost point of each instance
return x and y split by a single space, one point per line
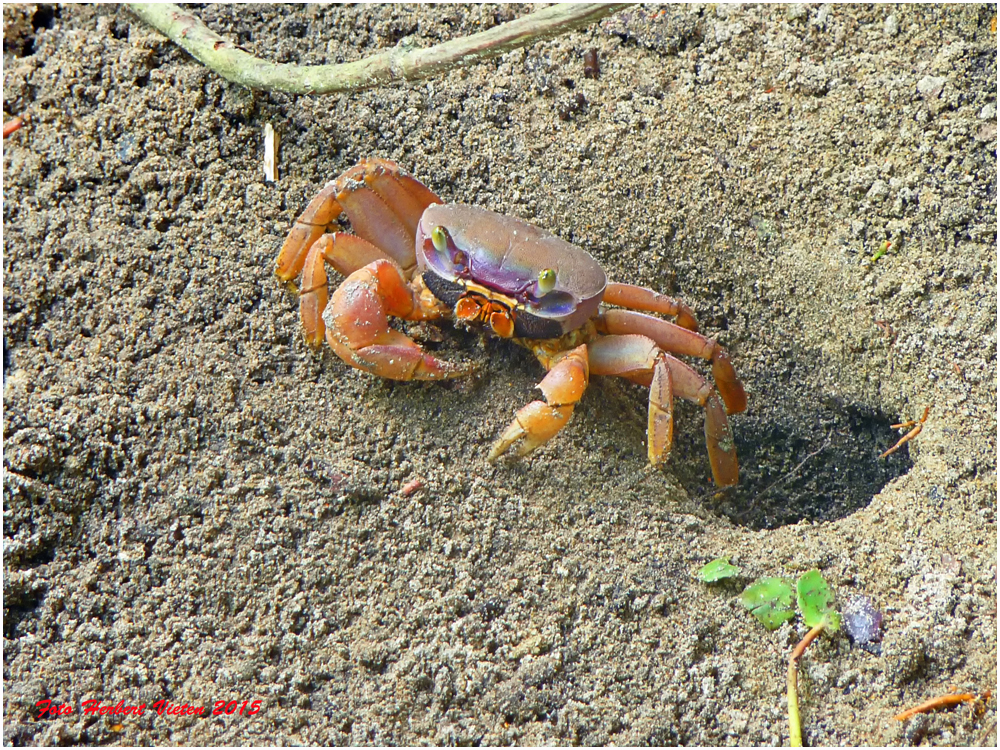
357 326
539 421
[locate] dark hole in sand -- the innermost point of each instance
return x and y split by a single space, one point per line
45 17
801 458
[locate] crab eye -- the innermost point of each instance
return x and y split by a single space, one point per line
546 280
439 236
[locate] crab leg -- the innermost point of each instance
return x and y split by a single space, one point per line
672 338
406 194
345 252
638 356
373 219
640 298
357 326
640 359
539 421
314 221
383 203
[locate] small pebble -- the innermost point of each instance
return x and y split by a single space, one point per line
931 86
987 131
891 27
878 191
796 11
863 623
413 486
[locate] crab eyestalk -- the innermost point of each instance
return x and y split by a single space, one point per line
439 236
546 281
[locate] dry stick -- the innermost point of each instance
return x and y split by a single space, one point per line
942 701
794 723
917 424
401 63
986 735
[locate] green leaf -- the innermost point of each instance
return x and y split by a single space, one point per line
816 601
717 570
770 601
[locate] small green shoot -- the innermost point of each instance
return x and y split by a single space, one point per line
770 601
815 601
882 250
718 570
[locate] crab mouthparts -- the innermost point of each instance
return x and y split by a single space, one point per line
475 308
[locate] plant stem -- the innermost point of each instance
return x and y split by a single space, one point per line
403 62
794 723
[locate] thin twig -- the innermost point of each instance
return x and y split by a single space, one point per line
986 735
794 722
917 424
403 62
790 474
942 701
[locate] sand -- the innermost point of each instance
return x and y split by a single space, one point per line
198 509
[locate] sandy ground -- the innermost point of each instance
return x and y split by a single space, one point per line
198 508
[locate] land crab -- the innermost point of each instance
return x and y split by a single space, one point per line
412 256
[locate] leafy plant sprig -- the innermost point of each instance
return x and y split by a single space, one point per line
770 601
815 601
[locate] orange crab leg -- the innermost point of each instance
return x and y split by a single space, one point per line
689 385
383 203
314 221
407 195
357 326
638 357
719 441
641 360
660 423
677 340
539 421
640 298
372 219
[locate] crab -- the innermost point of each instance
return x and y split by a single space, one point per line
414 257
